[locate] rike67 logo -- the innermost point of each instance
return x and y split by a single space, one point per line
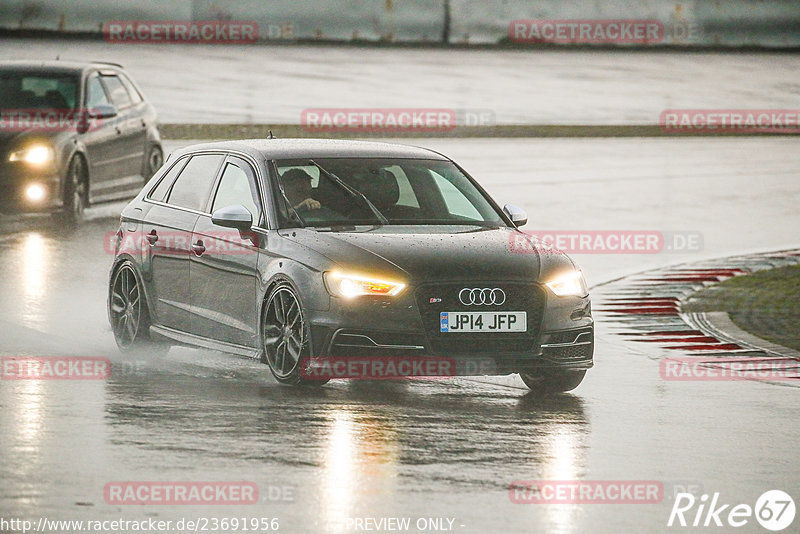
774 510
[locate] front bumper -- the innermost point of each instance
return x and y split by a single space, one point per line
560 331
15 178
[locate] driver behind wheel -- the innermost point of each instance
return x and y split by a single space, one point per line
297 186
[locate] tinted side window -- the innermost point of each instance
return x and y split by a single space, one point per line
95 94
193 186
457 203
407 197
236 188
160 191
119 95
135 96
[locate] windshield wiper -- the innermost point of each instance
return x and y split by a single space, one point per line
297 216
351 191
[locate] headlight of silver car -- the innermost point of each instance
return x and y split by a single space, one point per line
37 155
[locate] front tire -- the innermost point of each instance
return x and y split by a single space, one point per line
76 193
285 337
550 382
130 317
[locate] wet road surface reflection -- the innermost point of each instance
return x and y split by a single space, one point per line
348 449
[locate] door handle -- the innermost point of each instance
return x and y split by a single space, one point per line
198 248
152 237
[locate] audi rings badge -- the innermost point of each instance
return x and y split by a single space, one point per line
482 296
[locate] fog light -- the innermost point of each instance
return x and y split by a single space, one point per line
35 193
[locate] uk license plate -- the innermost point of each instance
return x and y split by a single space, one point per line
483 321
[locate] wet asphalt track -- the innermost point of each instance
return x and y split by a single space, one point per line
422 448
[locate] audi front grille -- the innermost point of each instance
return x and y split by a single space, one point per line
433 299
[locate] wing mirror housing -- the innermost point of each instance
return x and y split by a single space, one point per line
103 111
517 215
236 216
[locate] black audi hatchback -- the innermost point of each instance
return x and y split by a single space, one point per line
315 254
72 134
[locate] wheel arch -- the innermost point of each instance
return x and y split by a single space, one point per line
118 262
269 287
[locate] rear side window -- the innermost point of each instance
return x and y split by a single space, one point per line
407 197
160 191
457 202
95 94
235 187
119 95
193 186
134 94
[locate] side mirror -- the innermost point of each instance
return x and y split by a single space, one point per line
103 111
517 215
236 216
87 118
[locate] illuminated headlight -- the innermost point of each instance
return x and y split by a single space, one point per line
569 284
351 285
35 192
34 155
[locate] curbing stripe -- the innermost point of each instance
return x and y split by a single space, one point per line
720 325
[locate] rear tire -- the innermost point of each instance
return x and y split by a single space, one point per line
550 382
155 159
130 317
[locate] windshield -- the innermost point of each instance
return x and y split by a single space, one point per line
29 90
379 191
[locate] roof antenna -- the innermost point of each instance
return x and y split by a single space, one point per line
270 135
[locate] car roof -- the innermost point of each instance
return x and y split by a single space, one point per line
318 148
58 66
